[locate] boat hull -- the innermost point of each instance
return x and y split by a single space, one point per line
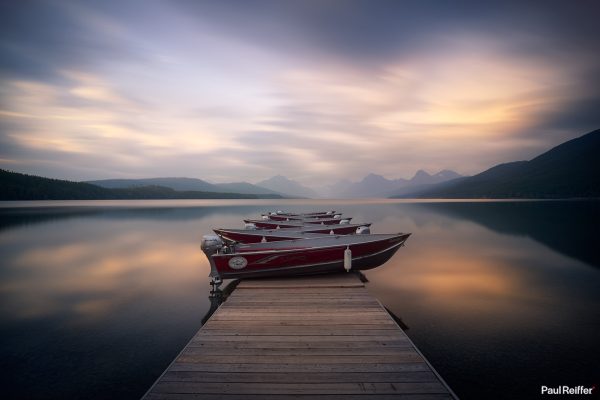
310 214
274 235
268 224
299 217
306 260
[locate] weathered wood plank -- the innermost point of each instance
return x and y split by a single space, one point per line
390 335
325 281
242 289
332 366
300 344
293 292
300 388
316 308
396 396
202 338
282 330
266 351
295 324
298 377
406 357
331 318
309 337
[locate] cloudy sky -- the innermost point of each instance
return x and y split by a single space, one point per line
314 90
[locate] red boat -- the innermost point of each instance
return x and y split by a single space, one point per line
309 214
326 254
285 217
268 224
274 235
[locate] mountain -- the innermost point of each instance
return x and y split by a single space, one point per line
281 184
185 184
331 191
16 186
173 183
374 185
569 170
423 178
245 187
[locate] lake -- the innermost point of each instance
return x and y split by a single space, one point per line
97 298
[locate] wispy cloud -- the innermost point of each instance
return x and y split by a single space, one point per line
313 90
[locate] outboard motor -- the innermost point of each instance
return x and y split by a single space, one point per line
249 226
265 217
337 216
210 245
279 212
329 213
344 222
363 230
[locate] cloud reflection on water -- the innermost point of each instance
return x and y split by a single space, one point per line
478 284
90 269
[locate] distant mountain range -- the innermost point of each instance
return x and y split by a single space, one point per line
374 185
16 186
186 184
569 170
281 184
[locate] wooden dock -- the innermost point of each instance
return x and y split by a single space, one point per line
313 337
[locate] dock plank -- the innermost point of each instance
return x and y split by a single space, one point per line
195 396
323 336
298 377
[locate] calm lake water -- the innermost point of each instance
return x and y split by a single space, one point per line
97 298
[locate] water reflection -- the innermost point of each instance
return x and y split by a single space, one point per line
570 227
97 299
480 287
93 268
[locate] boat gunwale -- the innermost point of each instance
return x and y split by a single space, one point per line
313 247
294 229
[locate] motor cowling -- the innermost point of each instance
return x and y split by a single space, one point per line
363 230
344 222
249 226
210 244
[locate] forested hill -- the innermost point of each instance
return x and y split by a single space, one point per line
569 170
17 186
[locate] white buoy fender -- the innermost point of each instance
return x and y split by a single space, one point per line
347 259
263 240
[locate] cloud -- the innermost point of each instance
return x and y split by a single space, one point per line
314 90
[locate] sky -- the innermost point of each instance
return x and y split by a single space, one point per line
316 90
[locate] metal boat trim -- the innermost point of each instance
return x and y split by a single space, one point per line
393 235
